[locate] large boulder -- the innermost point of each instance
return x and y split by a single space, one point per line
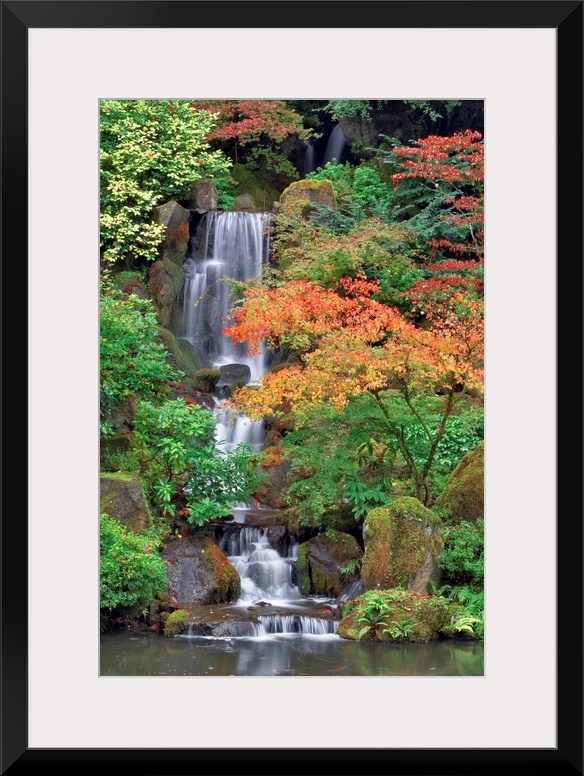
327 564
244 202
300 194
202 196
199 572
402 546
464 493
122 498
233 375
175 219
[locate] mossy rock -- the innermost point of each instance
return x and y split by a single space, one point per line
182 354
176 623
464 493
263 187
206 379
202 196
199 572
175 220
402 546
321 563
295 197
396 616
122 498
166 283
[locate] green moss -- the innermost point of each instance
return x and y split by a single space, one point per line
166 283
397 616
182 354
297 197
464 493
397 541
121 476
206 379
227 580
327 563
303 570
176 623
263 187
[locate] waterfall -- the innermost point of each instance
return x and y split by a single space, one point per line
235 245
310 158
334 147
265 575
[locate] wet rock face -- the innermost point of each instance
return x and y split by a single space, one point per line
121 497
199 572
327 564
234 375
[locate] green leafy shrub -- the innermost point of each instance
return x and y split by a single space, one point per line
184 466
468 618
462 559
131 570
150 151
120 461
133 360
338 457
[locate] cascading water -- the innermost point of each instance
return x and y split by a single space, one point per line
267 579
334 147
265 575
235 245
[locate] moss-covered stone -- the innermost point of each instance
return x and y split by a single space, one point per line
295 197
228 581
122 498
182 353
206 379
199 572
396 616
327 564
464 493
166 283
202 195
263 187
402 546
176 623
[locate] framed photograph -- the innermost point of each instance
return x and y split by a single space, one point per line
63 64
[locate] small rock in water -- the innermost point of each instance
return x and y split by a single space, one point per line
262 603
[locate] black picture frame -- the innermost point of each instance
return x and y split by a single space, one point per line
17 17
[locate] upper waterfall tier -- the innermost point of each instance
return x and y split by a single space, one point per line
229 245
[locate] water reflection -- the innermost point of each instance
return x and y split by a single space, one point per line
124 654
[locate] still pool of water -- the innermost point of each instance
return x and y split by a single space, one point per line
131 653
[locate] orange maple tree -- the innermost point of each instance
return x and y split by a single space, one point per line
349 344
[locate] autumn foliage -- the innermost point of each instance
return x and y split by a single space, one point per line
348 343
452 167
